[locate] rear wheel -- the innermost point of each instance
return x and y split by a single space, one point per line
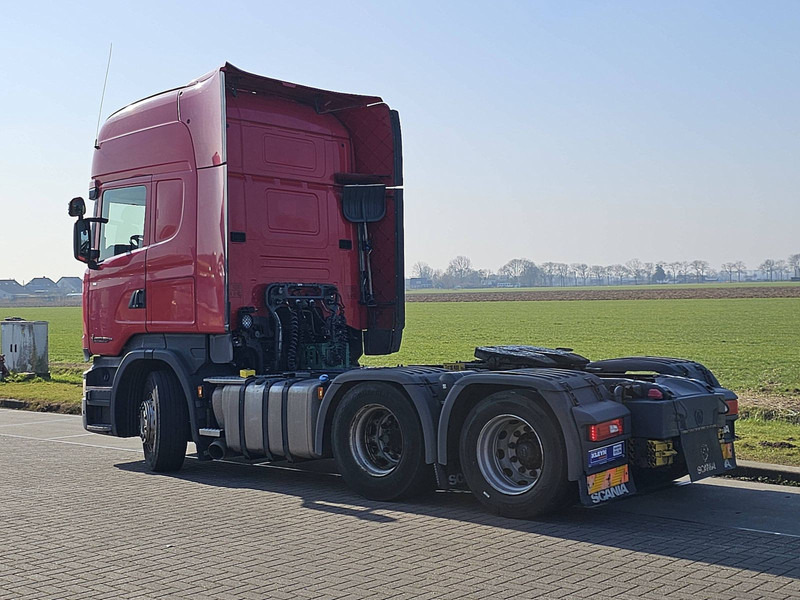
378 443
512 456
163 422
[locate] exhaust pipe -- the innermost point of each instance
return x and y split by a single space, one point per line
218 450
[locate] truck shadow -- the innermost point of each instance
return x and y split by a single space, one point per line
634 524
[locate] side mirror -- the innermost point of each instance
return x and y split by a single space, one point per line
83 233
77 207
82 242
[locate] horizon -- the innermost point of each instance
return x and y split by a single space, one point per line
673 277
612 131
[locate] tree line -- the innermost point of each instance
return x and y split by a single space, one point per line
522 272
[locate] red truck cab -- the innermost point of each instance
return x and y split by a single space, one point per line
266 165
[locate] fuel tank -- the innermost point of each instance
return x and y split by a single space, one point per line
269 417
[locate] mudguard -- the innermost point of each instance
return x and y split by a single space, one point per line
575 398
173 360
679 367
128 360
421 384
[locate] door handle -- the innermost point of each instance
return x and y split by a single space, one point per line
137 299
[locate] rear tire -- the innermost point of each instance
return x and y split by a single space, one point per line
513 457
163 422
378 443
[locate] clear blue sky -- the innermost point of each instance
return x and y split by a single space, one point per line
565 131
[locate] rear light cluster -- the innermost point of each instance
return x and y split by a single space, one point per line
605 430
733 407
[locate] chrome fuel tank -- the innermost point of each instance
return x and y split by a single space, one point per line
269 417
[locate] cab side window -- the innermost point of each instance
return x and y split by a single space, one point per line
125 210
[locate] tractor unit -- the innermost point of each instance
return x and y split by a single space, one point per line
246 249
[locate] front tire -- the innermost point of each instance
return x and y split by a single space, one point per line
513 457
378 443
163 422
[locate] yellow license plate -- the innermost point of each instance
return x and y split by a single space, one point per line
727 450
607 479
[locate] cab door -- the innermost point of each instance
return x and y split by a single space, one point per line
117 301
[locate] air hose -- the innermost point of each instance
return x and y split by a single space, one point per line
294 338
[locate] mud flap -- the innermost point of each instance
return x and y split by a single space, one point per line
703 453
610 484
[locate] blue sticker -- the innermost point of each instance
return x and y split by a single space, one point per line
600 456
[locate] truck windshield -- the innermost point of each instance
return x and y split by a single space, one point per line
124 208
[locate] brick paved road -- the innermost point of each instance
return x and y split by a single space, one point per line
80 518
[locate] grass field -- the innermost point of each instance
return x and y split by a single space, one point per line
770 441
751 344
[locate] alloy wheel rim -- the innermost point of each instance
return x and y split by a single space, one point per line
510 454
147 422
376 440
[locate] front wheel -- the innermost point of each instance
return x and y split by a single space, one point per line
378 443
163 422
513 457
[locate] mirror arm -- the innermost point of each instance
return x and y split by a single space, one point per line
92 263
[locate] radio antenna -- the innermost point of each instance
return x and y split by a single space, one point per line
102 97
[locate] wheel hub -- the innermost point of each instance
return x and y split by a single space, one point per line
376 440
147 422
528 452
510 454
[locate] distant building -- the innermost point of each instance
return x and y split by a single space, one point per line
10 288
41 285
419 283
70 285
42 291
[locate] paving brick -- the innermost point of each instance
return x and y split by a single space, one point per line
83 522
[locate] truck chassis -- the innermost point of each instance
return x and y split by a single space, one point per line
523 428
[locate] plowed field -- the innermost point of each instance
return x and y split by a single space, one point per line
643 293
